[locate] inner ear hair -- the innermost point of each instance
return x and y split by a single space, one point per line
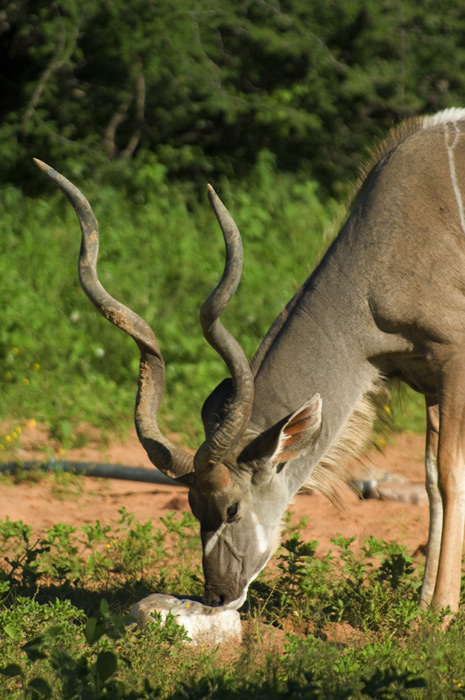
288 438
264 445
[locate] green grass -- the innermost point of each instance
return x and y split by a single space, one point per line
65 595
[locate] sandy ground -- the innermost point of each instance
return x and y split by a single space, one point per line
38 504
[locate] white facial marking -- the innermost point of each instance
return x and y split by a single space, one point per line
213 540
235 604
260 534
452 134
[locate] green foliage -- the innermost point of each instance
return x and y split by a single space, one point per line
204 89
66 634
127 551
368 588
409 410
161 254
94 672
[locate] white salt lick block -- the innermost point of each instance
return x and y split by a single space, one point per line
204 625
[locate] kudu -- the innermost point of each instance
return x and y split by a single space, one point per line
387 301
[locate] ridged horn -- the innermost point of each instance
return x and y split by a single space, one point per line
226 436
167 457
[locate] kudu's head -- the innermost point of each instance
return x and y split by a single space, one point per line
241 498
237 488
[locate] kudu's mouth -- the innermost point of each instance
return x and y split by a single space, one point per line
217 601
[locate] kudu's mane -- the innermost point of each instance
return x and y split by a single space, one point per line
356 435
337 464
400 133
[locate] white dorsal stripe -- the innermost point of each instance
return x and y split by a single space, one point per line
452 134
453 114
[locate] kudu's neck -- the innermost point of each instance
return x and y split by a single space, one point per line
318 345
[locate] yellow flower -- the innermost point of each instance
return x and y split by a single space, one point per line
14 434
387 409
7 376
36 366
15 351
25 381
18 429
8 438
31 423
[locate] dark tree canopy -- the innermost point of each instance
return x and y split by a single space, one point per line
203 87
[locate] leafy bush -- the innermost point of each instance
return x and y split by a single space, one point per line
64 631
204 89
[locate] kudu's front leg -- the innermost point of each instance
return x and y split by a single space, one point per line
451 481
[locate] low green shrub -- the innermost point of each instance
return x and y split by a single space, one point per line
65 632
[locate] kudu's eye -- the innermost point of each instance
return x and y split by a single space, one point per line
232 511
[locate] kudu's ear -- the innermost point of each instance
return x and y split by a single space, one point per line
290 438
300 432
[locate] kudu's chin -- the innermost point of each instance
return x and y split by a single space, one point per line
216 600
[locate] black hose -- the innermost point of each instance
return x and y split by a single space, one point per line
102 470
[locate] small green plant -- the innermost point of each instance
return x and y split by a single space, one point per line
388 683
368 590
378 584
